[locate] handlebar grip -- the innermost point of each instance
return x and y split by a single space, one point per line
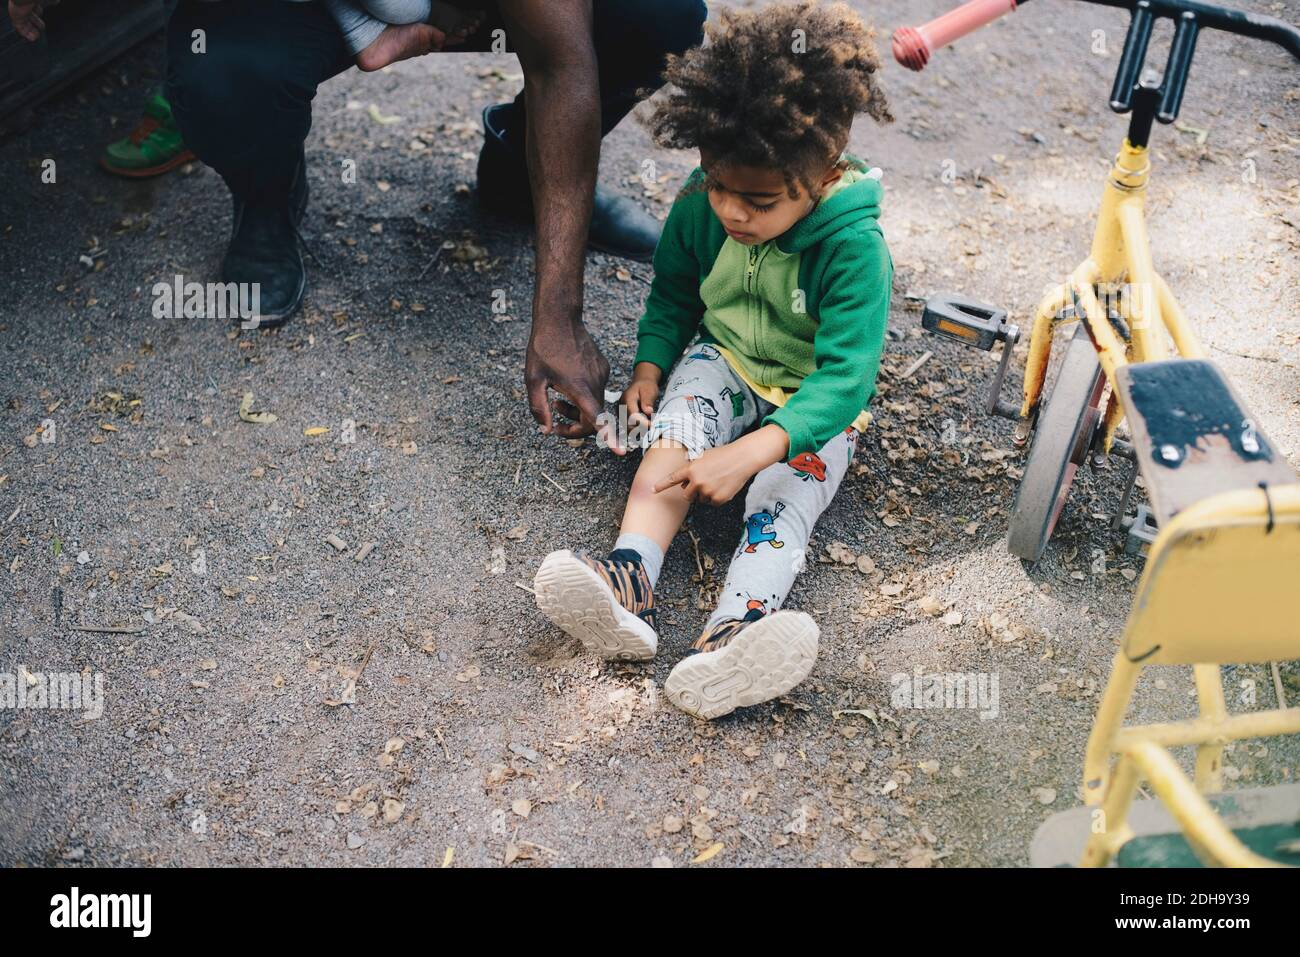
1180 61
1133 57
913 45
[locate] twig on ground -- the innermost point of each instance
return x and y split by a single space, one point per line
310 252
429 265
540 847
445 753
108 629
365 662
921 360
1277 685
695 543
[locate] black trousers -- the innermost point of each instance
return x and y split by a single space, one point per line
243 104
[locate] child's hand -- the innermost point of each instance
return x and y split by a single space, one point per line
718 474
640 398
715 477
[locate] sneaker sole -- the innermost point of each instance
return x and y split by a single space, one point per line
763 662
579 602
145 172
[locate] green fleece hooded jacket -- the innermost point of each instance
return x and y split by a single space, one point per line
805 312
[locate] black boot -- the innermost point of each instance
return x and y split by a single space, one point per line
264 250
618 225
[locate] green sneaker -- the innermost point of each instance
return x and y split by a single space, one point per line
152 148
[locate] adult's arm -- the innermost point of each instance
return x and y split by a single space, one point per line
553 40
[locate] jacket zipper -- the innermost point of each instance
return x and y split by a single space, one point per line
756 256
747 284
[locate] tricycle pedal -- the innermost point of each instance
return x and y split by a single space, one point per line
1142 531
963 320
980 327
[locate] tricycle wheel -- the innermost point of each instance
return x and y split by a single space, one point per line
1062 439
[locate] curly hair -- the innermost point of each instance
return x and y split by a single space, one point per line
777 87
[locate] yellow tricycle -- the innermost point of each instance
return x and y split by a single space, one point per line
1222 523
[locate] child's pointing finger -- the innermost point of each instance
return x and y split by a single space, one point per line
680 477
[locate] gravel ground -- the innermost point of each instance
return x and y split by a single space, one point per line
287 702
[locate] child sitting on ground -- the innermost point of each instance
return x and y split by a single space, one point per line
380 32
772 254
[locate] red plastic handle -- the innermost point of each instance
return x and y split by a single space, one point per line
913 45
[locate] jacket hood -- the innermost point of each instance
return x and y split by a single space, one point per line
855 198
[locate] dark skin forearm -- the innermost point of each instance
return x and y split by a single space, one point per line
563 146
553 39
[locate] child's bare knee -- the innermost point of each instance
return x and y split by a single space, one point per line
643 489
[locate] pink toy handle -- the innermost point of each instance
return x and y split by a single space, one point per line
913 45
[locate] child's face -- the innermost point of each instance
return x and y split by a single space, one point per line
754 204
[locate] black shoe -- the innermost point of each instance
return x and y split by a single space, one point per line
264 250
618 225
298 194
621 227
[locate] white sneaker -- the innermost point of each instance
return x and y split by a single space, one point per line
764 660
585 597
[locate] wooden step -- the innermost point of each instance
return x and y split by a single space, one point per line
1193 435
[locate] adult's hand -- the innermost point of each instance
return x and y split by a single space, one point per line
563 357
25 15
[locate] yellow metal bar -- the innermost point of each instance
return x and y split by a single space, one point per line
1256 724
1208 835
1040 345
1110 715
1185 338
1126 185
1146 326
1110 348
1209 756
1112 832
1113 417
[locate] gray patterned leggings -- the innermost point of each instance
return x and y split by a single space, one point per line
704 405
